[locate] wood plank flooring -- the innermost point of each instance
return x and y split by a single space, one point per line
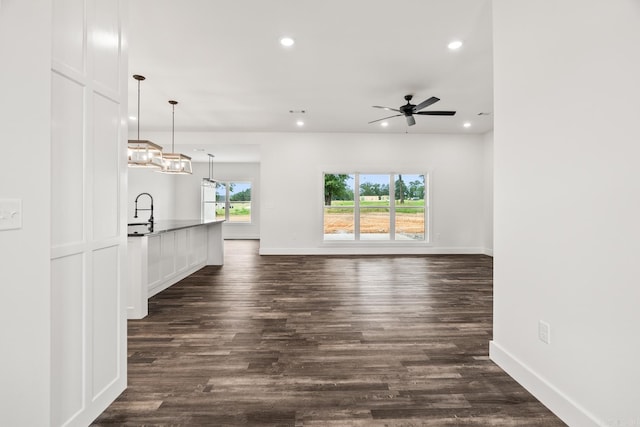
322 341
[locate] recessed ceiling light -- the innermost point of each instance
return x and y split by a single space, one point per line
384 124
287 41
467 125
300 123
454 45
133 118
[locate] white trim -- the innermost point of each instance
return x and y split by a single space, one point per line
175 278
392 207
559 403
373 250
488 252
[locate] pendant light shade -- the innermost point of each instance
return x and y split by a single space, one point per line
175 163
143 153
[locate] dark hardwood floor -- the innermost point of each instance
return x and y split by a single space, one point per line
322 341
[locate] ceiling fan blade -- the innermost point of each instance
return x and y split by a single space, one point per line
386 108
411 120
436 113
426 103
397 115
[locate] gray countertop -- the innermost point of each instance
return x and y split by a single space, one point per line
167 225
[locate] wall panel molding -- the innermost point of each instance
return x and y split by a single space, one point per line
89 104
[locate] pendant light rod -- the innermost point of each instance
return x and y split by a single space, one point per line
139 78
173 123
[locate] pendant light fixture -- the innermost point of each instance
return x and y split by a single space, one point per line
175 163
210 177
142 153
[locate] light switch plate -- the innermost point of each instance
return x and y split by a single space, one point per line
10 214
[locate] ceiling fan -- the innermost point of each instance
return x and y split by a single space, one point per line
408 110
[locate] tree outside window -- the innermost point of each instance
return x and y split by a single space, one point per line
233 201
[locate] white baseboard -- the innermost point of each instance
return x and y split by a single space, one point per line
488 252
340 249
175 278
558 402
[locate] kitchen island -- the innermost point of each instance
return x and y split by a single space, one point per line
167 253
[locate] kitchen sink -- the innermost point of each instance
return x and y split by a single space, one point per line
139 228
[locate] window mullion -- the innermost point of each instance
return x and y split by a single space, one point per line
227 203
392 208
356 210
427 207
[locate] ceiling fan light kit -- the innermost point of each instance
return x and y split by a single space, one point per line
408 110
175 163
143 153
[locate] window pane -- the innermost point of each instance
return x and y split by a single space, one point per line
208 196
221 198
409 190
409 223
374 190
239 202
338 223
338 189
374 223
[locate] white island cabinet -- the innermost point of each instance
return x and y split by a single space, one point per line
173 251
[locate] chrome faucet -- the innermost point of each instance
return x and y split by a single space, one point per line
135 215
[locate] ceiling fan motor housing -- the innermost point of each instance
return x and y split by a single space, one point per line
407 109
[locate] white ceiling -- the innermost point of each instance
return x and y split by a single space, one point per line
222 61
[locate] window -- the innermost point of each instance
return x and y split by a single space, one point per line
233 201
339 207
208 197
386 207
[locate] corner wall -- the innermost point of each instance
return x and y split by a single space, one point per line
488 193
567 182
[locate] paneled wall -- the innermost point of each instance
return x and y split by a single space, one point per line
88 213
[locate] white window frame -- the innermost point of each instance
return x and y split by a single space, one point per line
392 211
227 201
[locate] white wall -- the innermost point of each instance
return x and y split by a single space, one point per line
188 195
567 183
25 107
293 164
161 186
488 193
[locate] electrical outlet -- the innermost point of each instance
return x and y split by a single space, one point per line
544 332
